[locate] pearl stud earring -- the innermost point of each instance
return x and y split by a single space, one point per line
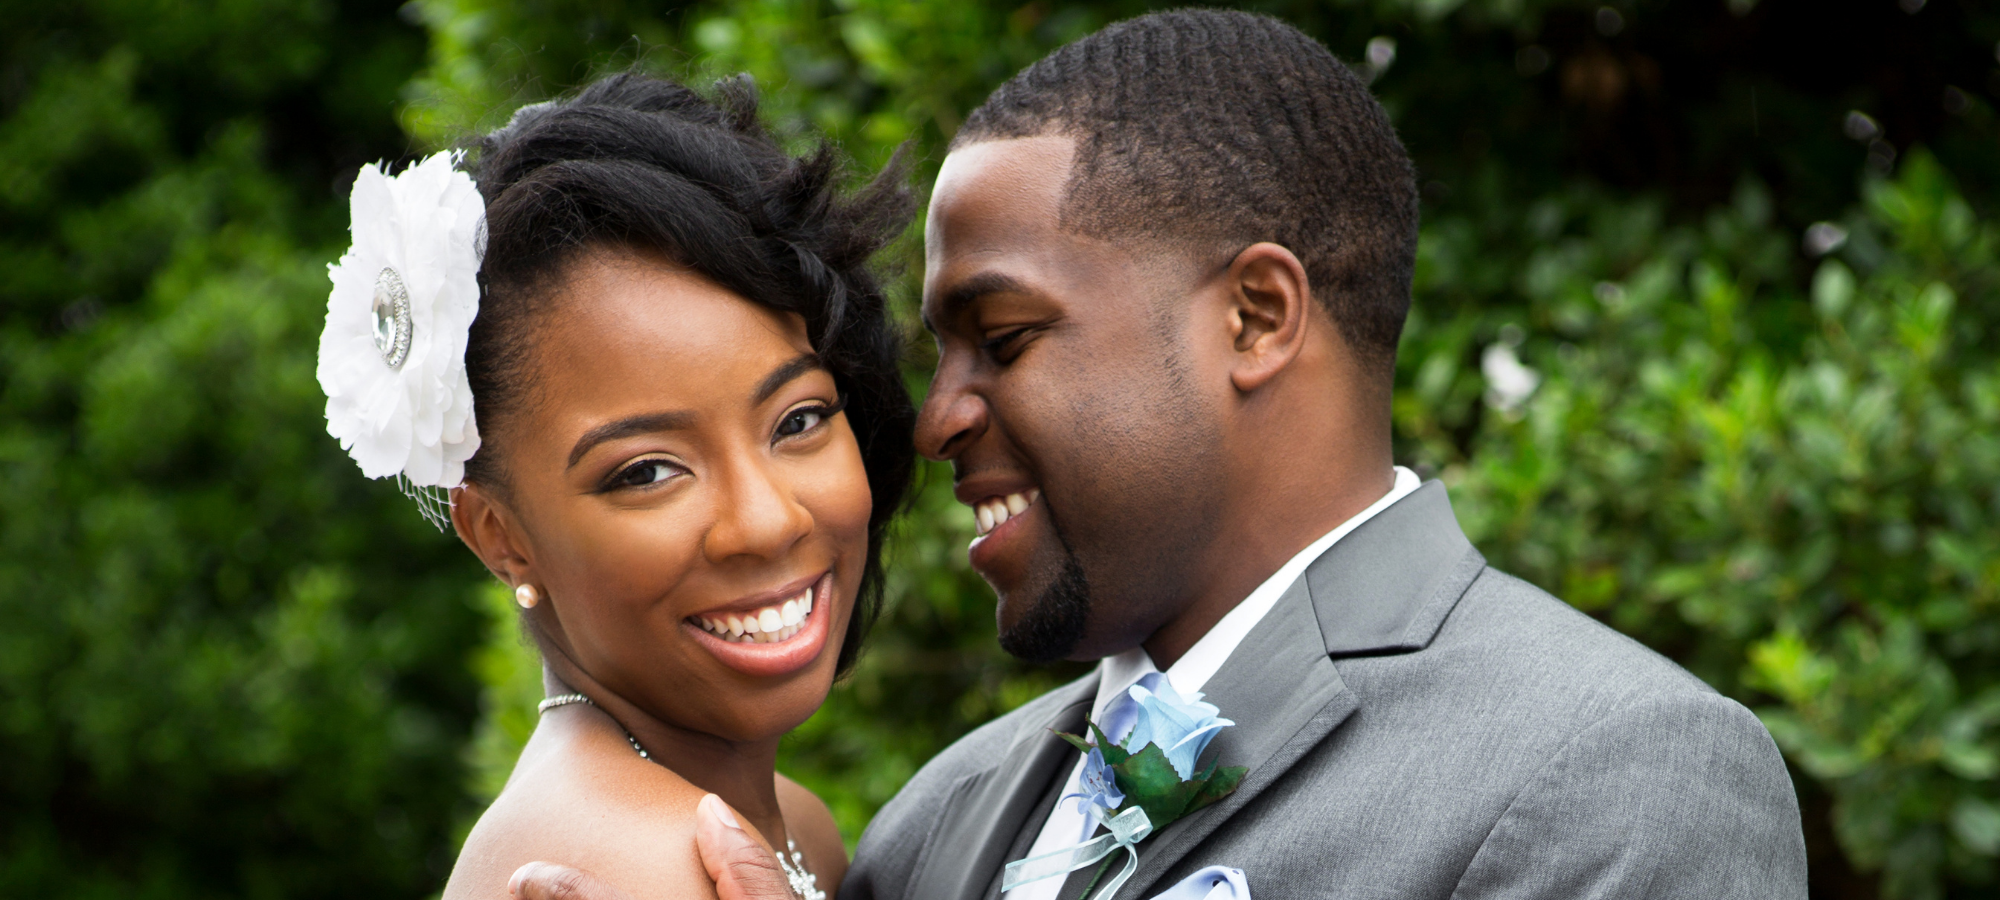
527 596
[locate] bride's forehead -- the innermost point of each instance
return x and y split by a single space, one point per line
626 313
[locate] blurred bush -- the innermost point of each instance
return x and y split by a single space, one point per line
1704 303
229 667
1803 510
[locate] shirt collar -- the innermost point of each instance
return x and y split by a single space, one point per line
1117 673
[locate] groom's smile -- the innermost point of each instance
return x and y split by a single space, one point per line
1072 424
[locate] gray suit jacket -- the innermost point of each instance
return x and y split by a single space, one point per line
1416 725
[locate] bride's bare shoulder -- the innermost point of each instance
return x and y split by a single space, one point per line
579 796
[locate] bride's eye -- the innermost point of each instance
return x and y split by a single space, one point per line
803 419
644 473
800 421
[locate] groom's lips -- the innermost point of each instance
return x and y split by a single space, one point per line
1002 512
782 657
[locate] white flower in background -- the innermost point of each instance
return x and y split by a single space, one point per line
392 357
1508 382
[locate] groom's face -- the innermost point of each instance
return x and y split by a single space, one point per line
1077 426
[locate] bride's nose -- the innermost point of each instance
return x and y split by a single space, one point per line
759 515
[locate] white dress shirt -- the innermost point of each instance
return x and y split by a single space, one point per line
1066 824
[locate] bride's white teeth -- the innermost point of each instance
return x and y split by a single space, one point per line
769 625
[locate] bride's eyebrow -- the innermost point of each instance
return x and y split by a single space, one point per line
630 425
783 375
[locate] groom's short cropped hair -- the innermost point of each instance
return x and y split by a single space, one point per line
1222 129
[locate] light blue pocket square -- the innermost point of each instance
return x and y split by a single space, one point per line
1212 883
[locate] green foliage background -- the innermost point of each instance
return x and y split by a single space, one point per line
231 667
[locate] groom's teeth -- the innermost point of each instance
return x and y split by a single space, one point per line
991 514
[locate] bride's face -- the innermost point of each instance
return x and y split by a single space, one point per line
688 498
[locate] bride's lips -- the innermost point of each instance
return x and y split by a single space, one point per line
797 643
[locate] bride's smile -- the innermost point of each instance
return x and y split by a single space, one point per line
770 634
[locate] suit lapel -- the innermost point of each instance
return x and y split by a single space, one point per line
1384 588
988 809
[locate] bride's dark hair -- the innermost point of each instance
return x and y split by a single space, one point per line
639 163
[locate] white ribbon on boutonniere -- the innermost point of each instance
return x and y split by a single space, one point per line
1136 791
1127 830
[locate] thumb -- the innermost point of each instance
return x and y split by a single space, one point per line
548 881
742 868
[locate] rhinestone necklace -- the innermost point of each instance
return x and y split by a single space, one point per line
802 881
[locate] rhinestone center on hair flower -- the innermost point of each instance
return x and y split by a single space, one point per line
392 318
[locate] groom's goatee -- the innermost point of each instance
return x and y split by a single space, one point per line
1054 623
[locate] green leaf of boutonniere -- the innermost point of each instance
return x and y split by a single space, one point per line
1150 783
1215 785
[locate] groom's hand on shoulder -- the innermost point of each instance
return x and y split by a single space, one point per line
548 881
741 868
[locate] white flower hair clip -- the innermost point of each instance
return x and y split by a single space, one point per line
392 357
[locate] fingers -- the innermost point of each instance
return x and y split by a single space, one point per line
742 868
548 881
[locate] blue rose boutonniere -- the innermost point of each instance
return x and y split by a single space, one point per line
1139 784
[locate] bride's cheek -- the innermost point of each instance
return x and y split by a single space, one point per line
840 497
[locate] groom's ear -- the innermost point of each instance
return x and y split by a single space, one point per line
1270 302
486 527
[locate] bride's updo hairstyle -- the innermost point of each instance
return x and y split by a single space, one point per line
639 164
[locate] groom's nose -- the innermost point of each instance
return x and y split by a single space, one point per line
952 416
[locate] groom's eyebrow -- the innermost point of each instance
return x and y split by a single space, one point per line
970 291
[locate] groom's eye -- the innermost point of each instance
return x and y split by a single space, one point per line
998 345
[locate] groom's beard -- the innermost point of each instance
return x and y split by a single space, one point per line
1054 623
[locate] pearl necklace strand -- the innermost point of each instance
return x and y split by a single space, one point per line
802 881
